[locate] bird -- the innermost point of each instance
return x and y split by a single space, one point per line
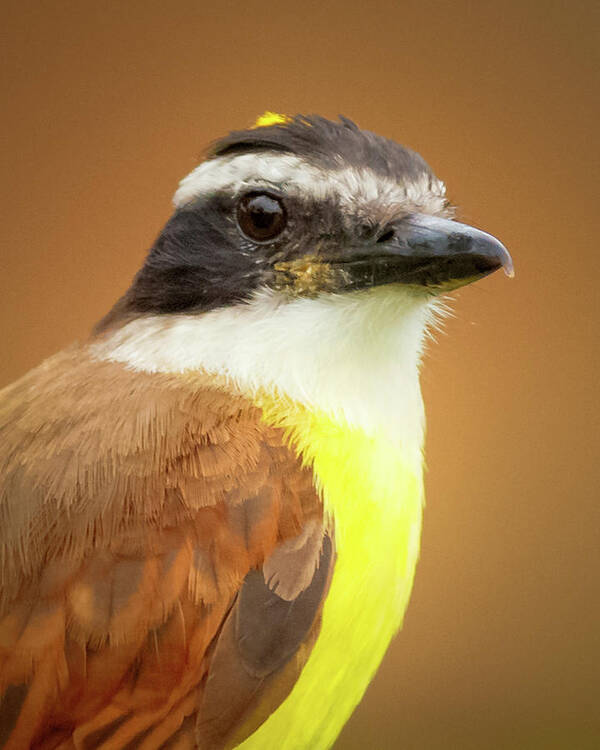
210 508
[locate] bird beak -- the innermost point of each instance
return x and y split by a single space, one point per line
425 251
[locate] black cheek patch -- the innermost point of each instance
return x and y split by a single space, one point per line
195 265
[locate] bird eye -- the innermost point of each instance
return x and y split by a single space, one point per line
261 216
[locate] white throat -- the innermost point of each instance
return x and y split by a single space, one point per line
354 356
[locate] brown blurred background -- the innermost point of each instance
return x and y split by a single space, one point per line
109 104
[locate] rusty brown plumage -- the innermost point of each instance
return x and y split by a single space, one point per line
137 512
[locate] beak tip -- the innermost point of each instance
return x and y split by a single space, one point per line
509 269
507 264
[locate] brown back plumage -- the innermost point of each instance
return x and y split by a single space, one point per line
144 522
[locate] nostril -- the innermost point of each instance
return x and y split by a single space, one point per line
386 236
366 231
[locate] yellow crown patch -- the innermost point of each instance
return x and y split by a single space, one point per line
271 118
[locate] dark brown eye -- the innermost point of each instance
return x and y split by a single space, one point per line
261 216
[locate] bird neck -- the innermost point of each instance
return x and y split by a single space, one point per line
354 357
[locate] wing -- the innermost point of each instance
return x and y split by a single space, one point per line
160 586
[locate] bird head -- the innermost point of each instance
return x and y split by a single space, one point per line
304 207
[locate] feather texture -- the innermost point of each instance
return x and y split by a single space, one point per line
124 550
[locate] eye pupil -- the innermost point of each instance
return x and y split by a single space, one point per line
261 216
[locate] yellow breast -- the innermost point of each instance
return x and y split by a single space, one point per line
373 491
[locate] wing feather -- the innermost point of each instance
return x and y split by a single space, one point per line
149 574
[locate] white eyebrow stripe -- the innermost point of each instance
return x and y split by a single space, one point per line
350 185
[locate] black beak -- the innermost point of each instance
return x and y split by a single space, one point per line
425 251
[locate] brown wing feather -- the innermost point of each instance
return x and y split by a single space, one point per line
259 654
122 554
